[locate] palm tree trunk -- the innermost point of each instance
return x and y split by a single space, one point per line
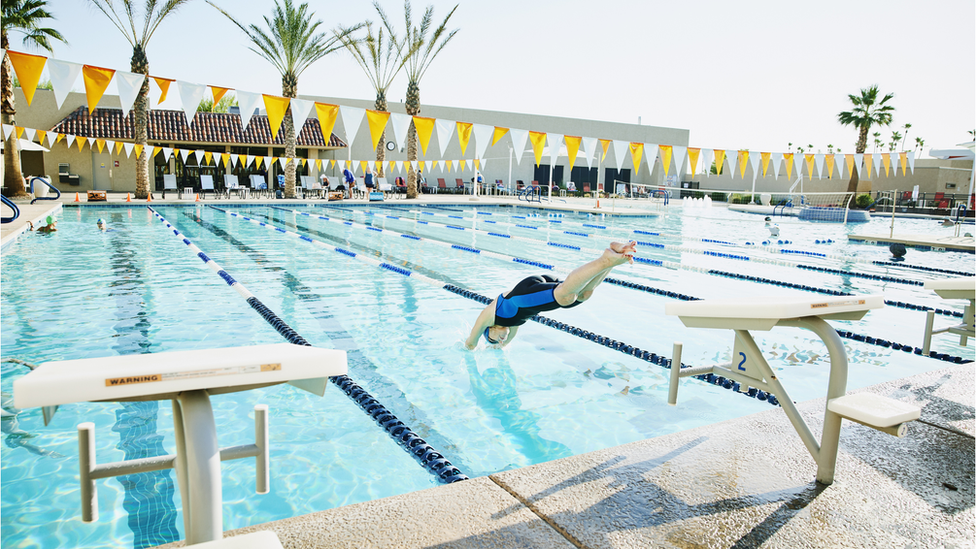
289 88
382 106
413 109
13 177
862 143
140 123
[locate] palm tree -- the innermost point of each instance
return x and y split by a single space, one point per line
919 143
895 138
26 17
291 44
830 149
868 111
877 140
381 63
424 49
907 127
153 16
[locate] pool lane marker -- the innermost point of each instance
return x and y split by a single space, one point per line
842 333
432 460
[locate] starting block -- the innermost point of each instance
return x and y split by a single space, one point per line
951 288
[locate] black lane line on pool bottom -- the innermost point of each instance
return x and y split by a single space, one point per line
406 438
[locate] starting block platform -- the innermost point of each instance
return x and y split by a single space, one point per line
188 378
952 288
750 369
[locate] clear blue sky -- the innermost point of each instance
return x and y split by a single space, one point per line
752 74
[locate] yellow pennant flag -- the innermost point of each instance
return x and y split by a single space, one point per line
903 156
425 128
422 165
392 165
276 107
788 157
693 154
719 160
886 162
765 162
163 84
28 68
257 162
118 147
101 144
327 118
20 131
464 135
59 138
868 162
318 164
226 158
666 151
538 140
605 143
138 150
572 148
207 155
363 166
477 164
636 151
218 93
830 165
448 164
433 165
743 163
377 124
809 159
332 163
849 160
406 166
96 80
499 133
81 143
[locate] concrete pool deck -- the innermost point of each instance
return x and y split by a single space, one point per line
746 482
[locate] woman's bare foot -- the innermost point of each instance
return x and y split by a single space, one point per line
620 253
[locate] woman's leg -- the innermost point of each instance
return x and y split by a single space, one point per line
584 279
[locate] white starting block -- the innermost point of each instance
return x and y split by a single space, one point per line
750 369
951 288
188 378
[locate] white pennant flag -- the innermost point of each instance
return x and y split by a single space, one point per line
678 153
819 159
755 159
127 147
589 149
401 125
352 118
184 153
63 75
248 102
300 110
482 138
876 165
467 163
129 85
29 133
233 159
651 151
859 164
777 159
190 95
839 161
110 145
371 164
167 151
7 130
282 161
484 161
455 165
51 138
247 160
445 129
911 161
555 141
707 156
732 156
69 139
620 149
519 138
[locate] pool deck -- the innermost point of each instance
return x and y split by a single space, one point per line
746 482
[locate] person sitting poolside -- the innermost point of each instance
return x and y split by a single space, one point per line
499 321
50 227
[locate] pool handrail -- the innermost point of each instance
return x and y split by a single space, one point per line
46 182
13 207
530 191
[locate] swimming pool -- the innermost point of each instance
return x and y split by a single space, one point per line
549 395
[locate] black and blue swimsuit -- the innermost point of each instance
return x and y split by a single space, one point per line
530 297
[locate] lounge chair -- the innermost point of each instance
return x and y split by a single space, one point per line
232 185
361 189
207 184
310 185
459 185
169 184
383 186
259 184
441 185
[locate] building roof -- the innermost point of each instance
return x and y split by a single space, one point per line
208 127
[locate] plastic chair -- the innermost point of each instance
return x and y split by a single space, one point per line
207 184
169 184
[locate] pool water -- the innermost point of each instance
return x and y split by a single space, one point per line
81 293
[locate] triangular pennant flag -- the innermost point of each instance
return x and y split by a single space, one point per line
28 132
911 161
876 162
7 130
318 164
352 118
868 165
849 160
519 137
257 162
829 158
362 166
859 164
903 158
819 160
226 159
589 148
28 68
666 152
422 165
464 135
276 108
248 102
129 85
327 114
371 164
743 159
282 161
719 160
128 148
605 143
636 152
184 153
96 80
707 156
20 131
809 158
693 154
393 165
401 127
112 146
777 164
679 158
755 161
447 166
886 161
163 84
555 144
218 93
572 149
425 129
538 140
620 152
207 156
81 144
377 125
498 134
467 163
788 157
69 140
191 95
445 128
138 150
765 162
455 162
63 75
482 137
52 138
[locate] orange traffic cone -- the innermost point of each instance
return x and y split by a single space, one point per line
149 198
598 203
198 198
128 197
77 199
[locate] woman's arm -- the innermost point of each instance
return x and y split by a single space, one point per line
485 319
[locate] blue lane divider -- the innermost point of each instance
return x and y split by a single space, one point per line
406 438
921 268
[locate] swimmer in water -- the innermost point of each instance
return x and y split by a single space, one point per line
50 227
499 321
773 229
101 224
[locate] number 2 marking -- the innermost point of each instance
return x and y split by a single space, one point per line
743 361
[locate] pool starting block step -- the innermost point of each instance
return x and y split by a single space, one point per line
163 376
763 313
874 410
953 288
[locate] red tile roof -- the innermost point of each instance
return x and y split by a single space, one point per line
207 127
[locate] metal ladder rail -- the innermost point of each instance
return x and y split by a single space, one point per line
13 207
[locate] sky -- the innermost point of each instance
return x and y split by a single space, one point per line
752 74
